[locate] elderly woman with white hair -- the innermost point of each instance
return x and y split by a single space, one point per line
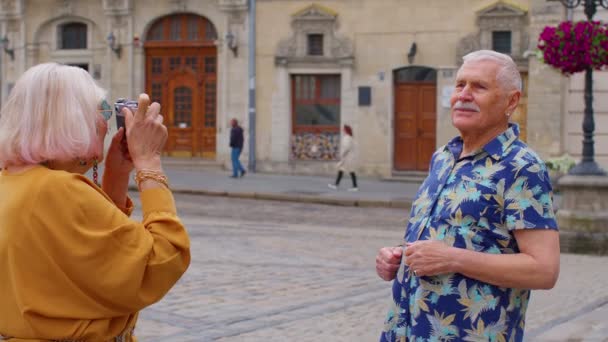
73 265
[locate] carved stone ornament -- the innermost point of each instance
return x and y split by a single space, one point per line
315 19
63 7
11 9
117 7
501 15
233 5
179 5
466 45
498 16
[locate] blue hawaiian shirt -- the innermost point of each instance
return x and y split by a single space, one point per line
474 202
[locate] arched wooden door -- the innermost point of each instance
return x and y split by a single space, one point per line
181 74
415 118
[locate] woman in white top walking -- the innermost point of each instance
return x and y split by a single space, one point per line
347 159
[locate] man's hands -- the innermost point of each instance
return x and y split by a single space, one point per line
429 258
388 261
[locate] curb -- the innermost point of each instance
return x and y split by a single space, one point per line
403 204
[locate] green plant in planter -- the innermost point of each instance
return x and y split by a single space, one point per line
560 165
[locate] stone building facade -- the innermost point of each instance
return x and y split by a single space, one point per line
386 68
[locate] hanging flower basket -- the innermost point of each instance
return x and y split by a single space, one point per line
573 47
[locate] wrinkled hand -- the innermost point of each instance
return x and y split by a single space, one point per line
429 257
118 159
388 261
146 134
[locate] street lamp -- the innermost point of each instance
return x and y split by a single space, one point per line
587 166
115 47
231 43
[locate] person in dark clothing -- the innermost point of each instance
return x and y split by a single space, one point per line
236 144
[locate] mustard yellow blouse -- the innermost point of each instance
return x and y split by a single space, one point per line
73 266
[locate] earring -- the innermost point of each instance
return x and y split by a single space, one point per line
82 162
95 179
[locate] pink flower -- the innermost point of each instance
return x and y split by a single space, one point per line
573 47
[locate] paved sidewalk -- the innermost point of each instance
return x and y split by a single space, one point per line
310 189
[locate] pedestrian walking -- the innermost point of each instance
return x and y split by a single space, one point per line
347 160
236 144
482 231
73 265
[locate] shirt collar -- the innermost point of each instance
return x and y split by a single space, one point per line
495 148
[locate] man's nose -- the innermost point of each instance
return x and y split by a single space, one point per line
465 94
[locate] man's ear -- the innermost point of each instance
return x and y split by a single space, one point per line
513 100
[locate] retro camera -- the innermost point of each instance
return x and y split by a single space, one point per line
118 106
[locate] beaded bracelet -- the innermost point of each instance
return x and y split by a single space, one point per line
156 176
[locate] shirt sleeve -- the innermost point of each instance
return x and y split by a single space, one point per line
528 201
105 263
128 208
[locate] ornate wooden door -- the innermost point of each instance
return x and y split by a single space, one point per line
181 74
415 116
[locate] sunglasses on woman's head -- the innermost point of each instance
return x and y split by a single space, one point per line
105 109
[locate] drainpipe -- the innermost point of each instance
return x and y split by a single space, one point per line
252 113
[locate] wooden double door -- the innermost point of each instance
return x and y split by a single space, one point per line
183 80
415 125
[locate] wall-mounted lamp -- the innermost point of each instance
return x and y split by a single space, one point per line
136 41
412 53
115 47
231 43
4 42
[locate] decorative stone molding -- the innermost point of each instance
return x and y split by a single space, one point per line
499 16
179 5
11 9
467 44
233 5
64 7
117 7
236 10
315 19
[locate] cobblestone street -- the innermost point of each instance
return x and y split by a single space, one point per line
274 271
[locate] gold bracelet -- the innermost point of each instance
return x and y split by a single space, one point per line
156 176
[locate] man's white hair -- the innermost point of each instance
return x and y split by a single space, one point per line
508 74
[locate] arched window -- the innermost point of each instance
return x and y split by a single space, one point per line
182 28
73 36
415 74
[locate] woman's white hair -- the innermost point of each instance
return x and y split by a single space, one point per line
508 74
51 114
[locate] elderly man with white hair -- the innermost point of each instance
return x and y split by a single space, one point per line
482 231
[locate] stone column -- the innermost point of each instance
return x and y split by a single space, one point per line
445 85
233 77
12 27
546 87
281 118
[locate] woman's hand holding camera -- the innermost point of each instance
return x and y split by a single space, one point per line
146 134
